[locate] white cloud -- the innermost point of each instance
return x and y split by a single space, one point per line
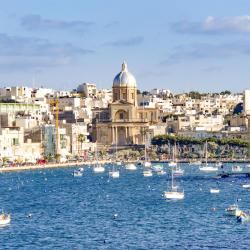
214 25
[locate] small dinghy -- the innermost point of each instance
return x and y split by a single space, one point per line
233 210
243 217
236 169
4 219
161 172
147 173
214 190
98 169
131 166
114 174
147 164
77 173
247 186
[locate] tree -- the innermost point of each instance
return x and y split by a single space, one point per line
57 157
81 139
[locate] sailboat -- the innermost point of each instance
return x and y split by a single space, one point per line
205 167
177 171
98 168
130 166
114 173
173 162
174 193
147 164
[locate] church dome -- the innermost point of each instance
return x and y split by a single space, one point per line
124 78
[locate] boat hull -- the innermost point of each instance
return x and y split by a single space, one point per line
174 195
114 174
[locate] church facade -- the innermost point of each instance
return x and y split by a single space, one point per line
124 122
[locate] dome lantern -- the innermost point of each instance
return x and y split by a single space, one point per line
124 78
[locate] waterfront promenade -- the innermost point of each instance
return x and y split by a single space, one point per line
82 163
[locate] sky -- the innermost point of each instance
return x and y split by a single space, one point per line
181 45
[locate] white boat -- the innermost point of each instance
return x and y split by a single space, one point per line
172 164
208 169
77 173
233 210
246 186
118 163
147 173
214 190
161 172
177 171
4 219
174 193
248 165
236 169
114 174
205 167
147 164
157 168
130 166
218 164
81 169
98 169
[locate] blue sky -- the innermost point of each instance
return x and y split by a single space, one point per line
181 45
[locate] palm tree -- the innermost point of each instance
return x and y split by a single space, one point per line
81 139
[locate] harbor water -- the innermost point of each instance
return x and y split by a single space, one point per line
52 209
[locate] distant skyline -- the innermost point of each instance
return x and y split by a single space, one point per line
178 45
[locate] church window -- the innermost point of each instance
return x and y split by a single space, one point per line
123 96
116 96
121 116
132 95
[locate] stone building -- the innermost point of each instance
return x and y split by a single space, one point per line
124 122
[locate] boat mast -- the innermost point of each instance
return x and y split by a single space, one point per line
172 182
206 153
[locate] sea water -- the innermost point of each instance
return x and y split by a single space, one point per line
52 209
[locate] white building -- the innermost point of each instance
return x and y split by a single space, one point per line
89 89
246 102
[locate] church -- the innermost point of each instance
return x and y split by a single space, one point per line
124 122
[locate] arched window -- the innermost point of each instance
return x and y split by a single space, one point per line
121 116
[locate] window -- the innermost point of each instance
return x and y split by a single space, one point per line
121 116
115 96
15 141
132 96
123 96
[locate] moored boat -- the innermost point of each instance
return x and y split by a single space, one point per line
161 172
236 169
172 164
98 169
233 210
130 166
174 193
147 173
4 219
77 173
114 174
243 217
208 169
214 190
246 186
147 164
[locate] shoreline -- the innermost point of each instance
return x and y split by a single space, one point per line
82 163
